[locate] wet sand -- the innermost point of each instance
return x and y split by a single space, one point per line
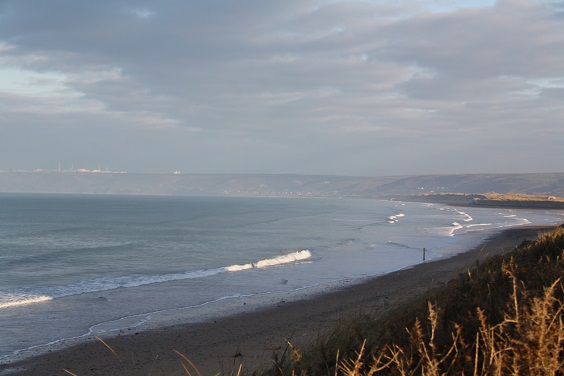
218 346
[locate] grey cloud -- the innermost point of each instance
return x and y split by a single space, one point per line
287 86
513 38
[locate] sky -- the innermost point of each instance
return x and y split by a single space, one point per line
328 87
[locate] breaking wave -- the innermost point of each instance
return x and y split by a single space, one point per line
14 299
21 297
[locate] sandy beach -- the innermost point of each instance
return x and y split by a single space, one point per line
218 346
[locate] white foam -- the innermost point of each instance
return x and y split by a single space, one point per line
467 217
14 299
10 299
456 226
394 218
280 260
480 225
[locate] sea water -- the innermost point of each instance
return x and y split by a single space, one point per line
77 266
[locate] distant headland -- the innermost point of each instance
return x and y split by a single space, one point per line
530 190
488 200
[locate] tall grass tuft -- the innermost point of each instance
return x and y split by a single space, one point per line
529 341
505 317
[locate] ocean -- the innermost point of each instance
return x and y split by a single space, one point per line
73 267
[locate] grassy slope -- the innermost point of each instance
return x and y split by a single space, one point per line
504 317
494 200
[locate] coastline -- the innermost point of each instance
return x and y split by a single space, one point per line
479 201
216 346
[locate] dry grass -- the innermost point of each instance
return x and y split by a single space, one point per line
529 341
503 318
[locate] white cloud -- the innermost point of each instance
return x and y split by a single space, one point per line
33 84
143 13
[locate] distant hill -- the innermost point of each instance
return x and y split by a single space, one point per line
188 184
534 184
549 184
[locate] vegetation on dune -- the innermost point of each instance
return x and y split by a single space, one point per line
520 197
508 200
505 317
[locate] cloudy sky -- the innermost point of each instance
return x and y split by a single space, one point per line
345 87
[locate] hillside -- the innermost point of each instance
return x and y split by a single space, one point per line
489 200
278 185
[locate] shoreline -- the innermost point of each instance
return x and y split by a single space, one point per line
249 338
477 201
